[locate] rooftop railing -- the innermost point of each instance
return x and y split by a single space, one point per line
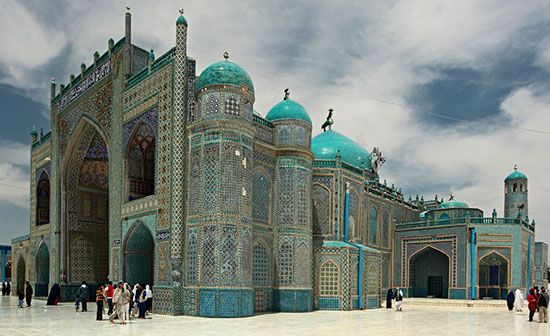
465 220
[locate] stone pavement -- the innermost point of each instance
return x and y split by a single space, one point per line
414 320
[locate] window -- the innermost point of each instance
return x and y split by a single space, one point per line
141 162
373 225
329 279
43 199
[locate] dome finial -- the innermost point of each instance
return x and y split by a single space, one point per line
516 167
451 197
287 93
226 55
181 11
328 123
127 9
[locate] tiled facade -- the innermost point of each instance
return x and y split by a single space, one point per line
151 174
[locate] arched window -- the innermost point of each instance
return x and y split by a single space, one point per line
321 209
43 199
329 279
515 188
521 187
260 265
286 265
141 162
373 227
353 215
261 191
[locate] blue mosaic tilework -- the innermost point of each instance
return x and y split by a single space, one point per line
326 303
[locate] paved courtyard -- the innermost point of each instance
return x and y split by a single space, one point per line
414 320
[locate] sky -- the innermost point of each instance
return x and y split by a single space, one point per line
453 92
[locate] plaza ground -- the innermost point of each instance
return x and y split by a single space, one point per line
414 320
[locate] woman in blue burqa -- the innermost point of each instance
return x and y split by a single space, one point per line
389 298
55 295
510 299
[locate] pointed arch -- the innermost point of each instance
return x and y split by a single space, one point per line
140 162
373 225
303 265
139 247
321 209
261 196
43 264
43 199
494 275
353 214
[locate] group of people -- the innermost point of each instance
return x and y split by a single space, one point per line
123 301
6 288
397 295
537 300
24 294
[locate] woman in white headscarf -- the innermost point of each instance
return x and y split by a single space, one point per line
149 296
518 300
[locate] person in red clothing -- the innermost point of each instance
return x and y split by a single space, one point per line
110 292
532 303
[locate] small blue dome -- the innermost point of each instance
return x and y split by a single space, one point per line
288 109
181 20
516 175
224 72
326 145
453 204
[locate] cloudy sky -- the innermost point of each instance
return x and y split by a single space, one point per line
453 92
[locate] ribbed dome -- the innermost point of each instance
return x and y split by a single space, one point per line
224 72
516 175
453 204
326 145
288 109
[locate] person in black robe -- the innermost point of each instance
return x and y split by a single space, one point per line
8 289
28 294
389 298
55 295
3 289
510 300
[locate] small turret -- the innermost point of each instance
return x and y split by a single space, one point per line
52 89
34 135
515 195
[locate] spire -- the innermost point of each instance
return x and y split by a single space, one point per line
515 167
181 19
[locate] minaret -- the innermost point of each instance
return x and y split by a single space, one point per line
128 44
179 168
515 195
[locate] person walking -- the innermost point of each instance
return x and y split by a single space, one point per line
510 300
99 299
8 289
544 298
149 296
518 300
110 292
20 297
82 295
399 299
3 289
532 303
121 299
389 298
136 291
28 293
142 304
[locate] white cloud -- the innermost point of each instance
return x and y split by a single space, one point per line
337 55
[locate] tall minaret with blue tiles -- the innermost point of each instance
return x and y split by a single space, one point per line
515 195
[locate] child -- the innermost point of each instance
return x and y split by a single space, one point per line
21 297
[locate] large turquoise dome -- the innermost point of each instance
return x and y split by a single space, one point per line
516 175
453 204
224 72
288 109
327 144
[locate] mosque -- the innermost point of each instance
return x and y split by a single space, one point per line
154 175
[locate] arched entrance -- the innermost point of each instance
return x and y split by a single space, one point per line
493 276
429 274
20 283
7 271
85 207
139 255
42 271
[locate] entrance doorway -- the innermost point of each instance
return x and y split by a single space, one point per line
139 255
493 276
429 274
42 271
